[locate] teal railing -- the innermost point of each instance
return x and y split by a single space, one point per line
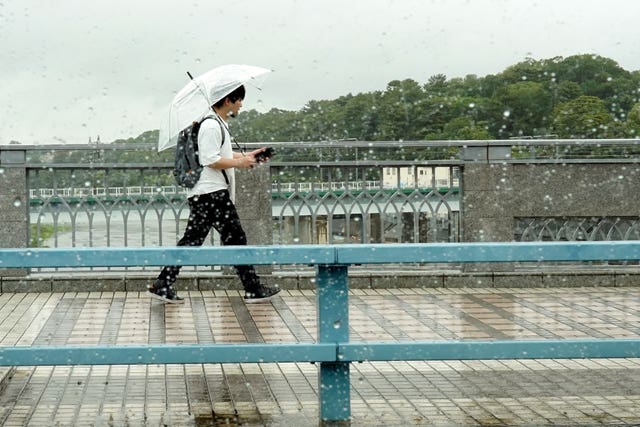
333 350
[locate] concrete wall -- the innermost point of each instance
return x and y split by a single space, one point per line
495 192
13 200
14 204
253 201
575 190
358 279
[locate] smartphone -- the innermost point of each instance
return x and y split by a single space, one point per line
265 155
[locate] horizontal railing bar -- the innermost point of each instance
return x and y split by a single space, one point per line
489 252
160 256
452 143
101 165
333 164
274 163
367 163
490 350
344 144
576 160
319 352
166 354
323 254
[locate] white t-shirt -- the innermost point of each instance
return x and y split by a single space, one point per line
209 152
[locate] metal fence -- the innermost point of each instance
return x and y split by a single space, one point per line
303 212
103 202
321 193
333 350
397 207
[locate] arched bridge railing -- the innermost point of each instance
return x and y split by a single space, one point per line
333 349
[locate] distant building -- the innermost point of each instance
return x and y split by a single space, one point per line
420 177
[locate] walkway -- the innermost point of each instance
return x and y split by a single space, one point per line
507 392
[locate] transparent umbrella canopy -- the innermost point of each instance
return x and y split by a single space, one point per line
195 99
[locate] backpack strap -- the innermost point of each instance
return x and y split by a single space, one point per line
224 173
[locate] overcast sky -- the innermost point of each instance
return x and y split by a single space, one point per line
72 70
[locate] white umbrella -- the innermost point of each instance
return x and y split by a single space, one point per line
194 100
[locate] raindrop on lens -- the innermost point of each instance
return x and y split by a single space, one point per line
17 202
507 113
336 324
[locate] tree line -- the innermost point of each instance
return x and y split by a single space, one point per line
581 96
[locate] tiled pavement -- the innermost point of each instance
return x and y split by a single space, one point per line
506 392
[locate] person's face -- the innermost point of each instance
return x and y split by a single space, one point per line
235 107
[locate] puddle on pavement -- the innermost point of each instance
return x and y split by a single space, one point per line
232 420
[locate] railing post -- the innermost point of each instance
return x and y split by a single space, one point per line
486 203
333 327
14 203
253 200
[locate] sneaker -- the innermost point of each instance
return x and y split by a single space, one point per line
164 293
262 294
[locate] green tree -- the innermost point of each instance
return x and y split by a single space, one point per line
632 124
600 77
582 117
362 116
567 90
437 85
402 112
525 107
462 128
528 70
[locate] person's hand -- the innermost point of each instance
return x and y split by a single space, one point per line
262 155
256 151
246 162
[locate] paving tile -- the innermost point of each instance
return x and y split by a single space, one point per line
475 392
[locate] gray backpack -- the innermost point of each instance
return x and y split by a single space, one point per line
187 168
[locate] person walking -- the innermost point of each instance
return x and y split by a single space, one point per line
211 201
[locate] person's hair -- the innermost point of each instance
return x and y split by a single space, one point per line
237 94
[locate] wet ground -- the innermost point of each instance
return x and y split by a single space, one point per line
505 392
